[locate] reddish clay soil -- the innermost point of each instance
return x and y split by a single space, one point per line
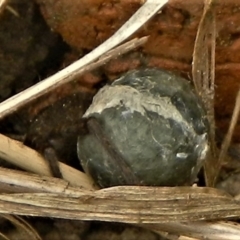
86 24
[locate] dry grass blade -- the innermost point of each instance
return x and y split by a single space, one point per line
3 237
135 205
18 181
203 70
148 10
200 64
155 208
23 226
21 182
26 158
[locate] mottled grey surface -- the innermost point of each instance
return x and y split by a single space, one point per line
155 122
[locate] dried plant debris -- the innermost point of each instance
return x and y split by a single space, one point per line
187 196
26 158
143 14
173 29
204 81
137 205
17 228
3 4
41 128
59 229
146 12
203 72
55 124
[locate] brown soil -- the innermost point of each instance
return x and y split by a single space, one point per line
86 24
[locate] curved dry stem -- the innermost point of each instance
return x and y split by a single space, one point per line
26 158
148 10
23 226
3 4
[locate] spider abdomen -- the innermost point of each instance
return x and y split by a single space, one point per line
147 128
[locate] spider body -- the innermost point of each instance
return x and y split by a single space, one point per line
147 128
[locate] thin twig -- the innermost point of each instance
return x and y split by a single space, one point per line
178 198
14 181
23 226
26 158
13 11
148 10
